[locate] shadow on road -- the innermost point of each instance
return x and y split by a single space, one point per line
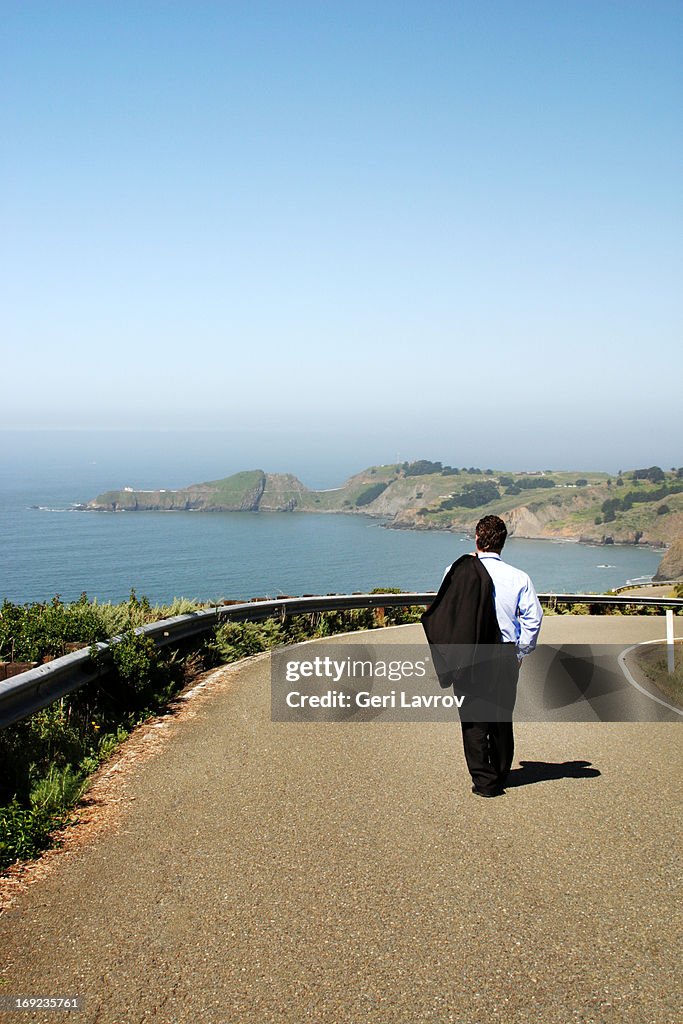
546 771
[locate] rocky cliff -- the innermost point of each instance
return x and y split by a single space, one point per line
671 566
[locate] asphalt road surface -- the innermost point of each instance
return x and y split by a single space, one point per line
285 872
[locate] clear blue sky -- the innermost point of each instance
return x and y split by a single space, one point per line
421 229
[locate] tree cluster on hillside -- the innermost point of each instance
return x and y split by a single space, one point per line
530 483
475 494
655 474
525 483
421 468
613 505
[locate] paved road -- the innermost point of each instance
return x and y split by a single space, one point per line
261 872
656 591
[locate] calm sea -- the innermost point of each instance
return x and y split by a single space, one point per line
240 555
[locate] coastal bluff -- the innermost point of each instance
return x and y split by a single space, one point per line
633 507
249 491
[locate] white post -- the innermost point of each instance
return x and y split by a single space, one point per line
670 639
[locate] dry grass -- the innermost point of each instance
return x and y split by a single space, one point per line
652 660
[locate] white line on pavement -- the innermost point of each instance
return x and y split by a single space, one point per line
633 682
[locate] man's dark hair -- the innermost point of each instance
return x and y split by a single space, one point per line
491 533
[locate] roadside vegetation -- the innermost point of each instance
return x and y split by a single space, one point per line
47 758
39 631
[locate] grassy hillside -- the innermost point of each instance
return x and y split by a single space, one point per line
639 506
589 506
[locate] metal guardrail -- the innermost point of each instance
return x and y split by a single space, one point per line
650 583
611 599
30 691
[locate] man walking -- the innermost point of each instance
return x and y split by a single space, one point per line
489 746
489 610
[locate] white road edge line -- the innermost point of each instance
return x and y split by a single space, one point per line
622 663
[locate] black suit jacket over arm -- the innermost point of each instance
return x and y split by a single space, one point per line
461 618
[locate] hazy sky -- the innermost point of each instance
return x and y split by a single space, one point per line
444 230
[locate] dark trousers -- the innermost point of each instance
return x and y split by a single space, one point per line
490 746
489 749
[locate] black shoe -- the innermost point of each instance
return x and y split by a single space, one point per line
482 792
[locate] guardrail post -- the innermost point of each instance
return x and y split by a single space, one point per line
670 640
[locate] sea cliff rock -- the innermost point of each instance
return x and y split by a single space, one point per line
523 522
671 565
283 492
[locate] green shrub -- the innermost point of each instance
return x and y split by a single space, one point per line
235 640
136 659
34 632
23 832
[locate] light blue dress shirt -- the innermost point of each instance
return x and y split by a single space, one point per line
518 609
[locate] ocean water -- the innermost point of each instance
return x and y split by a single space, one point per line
209 556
